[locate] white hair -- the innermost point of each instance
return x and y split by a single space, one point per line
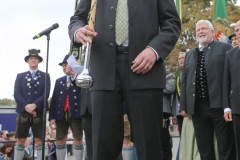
205 21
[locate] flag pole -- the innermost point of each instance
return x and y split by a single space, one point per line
213 4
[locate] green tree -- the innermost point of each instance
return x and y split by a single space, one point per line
7 102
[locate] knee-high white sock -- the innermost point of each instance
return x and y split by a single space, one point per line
39 152
19 152
46 149
78 152
127 153
61 151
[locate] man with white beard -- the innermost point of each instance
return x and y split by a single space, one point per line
201 94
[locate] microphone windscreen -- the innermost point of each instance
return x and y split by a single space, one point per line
54 26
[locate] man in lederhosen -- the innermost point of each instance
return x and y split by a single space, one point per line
29 96
64 113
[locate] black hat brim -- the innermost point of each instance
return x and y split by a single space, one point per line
64 60
232 35
39 57
60 64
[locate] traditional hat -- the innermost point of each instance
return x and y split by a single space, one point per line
232 35
64 60
33 52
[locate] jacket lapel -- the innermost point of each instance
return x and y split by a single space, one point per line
28 78
195 57
37 78
62 83
209 56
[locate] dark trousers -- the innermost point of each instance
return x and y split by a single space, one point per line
53 149
87 127
206 121
236 126
180 122
144 108
69 149
166 140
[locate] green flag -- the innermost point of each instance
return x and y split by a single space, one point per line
178 6
220 10
220 21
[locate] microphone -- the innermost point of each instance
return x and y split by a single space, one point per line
46 31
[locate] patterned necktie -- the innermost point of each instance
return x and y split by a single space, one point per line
121 21
33 75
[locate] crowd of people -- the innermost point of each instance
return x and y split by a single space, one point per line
126 113
6 144
8 141
207 131
204 131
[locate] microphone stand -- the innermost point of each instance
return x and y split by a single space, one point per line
45 100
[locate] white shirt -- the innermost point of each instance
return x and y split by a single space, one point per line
33 71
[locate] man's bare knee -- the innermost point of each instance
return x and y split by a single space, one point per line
21 141
126 141
38 141
77 142
61 141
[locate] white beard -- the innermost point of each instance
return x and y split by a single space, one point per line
202 39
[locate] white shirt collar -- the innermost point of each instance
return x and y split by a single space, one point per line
33 71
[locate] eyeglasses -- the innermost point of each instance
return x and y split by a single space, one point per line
203 29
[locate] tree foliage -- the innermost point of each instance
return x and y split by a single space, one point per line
10 102
7 102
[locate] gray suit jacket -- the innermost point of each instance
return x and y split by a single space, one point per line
168 92
145 19
231 81
214 65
